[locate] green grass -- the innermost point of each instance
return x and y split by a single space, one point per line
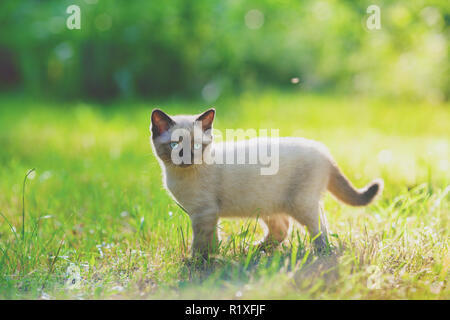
96 211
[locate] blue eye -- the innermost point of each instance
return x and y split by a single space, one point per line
173 145
197 146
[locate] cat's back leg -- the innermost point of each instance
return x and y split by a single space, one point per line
276 230
303 198
306 210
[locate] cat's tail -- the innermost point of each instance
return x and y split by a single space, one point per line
343 189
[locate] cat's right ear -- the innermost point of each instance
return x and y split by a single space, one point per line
161 122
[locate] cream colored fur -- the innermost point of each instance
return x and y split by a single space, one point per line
306 170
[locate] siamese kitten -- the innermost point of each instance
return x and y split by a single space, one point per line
208 191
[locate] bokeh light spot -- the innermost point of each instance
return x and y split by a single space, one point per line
254 19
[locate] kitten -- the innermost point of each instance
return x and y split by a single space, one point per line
207 191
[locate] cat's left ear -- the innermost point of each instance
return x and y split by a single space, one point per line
207 118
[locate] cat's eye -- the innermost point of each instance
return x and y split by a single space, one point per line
197 146
173 145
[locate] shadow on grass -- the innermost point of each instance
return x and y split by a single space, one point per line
305 267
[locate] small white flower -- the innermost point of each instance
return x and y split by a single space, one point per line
117 288
45 296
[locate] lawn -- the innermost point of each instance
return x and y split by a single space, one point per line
98 223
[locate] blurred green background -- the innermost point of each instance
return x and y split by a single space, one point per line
208 48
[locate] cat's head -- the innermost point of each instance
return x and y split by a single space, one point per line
181 140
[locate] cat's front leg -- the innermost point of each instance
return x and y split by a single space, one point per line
204 225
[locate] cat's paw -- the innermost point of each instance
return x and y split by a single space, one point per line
265 246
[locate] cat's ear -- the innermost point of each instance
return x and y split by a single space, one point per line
161 122
207 118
